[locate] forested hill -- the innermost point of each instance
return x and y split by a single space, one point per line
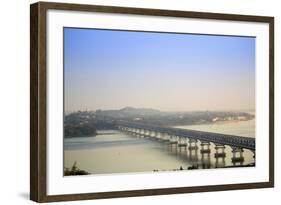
86 123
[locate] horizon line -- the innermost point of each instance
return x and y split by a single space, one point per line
196 110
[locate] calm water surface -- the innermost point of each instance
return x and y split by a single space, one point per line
118 152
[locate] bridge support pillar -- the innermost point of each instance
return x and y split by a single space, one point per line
137 132
182 142
237 157
219 151
192 144
156 135
205 148
142 132
133 131
205 155
220 155
193 150
127 129
173 140
160 136
165 138
151 134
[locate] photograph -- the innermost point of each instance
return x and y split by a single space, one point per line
139 101
148 101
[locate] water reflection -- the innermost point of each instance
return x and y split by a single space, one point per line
123 152
220 156
206 155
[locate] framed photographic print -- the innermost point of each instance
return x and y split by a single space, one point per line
134 102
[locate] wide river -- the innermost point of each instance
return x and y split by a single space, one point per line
118 152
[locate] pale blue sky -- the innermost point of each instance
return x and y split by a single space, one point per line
107 69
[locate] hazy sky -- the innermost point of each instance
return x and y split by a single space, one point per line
170 72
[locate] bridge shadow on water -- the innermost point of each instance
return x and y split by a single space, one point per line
203 155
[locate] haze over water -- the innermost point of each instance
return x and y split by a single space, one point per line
117 152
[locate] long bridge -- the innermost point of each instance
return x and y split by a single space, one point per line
182 136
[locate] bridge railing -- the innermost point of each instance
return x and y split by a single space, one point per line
217 138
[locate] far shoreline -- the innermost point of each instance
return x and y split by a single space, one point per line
212 123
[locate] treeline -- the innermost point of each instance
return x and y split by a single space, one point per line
84 124
74 171
80 130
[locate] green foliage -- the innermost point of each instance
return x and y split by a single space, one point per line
74 171
80 130
85 124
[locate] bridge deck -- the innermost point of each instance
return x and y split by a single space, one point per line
217 138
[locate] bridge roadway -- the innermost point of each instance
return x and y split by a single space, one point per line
216 138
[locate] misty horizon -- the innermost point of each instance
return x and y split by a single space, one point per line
149 108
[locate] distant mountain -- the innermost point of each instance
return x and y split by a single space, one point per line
139 111
85 123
